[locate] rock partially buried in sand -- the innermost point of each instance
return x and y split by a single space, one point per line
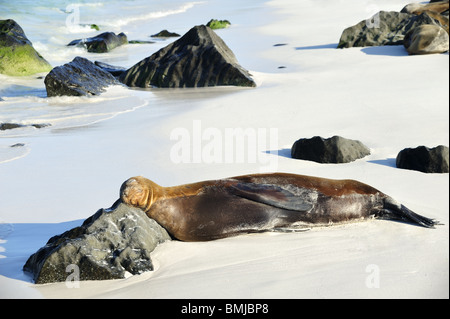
11 126
332 150
424 159
102 43
17 55
200 58
80 77
107 245
384 28
426 39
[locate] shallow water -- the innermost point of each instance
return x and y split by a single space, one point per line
51 25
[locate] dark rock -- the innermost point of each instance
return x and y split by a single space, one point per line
218 24
140 42
106 246
11 126
198 59
424 159
165 34
385 28
17 145
79 77
332 150
113 69
102 43
17 55
426 39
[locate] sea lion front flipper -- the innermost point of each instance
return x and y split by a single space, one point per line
273 195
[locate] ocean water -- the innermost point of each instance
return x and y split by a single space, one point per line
51 25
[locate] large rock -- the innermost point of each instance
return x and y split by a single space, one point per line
424 159
17 55
199 58
385 28
107 245
332 150
101 43
79 78
426 39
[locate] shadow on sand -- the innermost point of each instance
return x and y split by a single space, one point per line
19 241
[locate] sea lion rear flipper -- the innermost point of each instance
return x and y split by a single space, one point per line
272 195
394 210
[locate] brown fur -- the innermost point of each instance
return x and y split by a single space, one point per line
438 7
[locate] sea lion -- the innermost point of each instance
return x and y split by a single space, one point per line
262 202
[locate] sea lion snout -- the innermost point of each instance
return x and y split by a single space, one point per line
134 192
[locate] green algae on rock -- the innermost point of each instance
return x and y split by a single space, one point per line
17 55
218 24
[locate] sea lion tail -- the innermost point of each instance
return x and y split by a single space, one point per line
394 210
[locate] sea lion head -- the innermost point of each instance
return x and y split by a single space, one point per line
139 192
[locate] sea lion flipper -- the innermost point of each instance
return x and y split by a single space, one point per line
272 195
394 210
290 229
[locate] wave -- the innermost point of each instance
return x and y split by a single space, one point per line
66 111
13 152
151 15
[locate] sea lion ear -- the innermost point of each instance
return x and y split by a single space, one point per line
134 192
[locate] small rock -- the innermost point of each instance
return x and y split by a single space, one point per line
332 150
140 42
11 126
17 145
78 78
218 24
165 34
102 43
107 245
424 159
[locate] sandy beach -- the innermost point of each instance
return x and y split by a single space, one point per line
377 95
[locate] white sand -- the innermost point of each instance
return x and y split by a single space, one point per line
380 96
